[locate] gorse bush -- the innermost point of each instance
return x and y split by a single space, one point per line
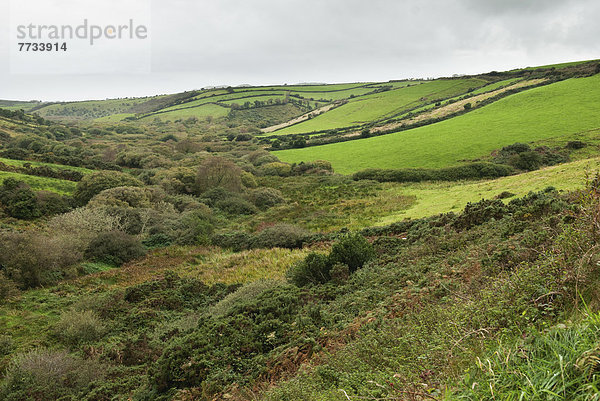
264 198
347 255
79 327
314 269
115 248
19 200
353 251
236 206
47 375
280 236
92 184
469 171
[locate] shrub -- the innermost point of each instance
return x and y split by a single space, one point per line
236 241
314 269
115 248
236 206
280 236
465 172
248 180
212 196
276 169
242 295
159 240
265 198
19 200
340 272
79 327
51 203
516 148
353 250
30 260
92 184
314 167
528 161
134 197
194 228
46 375
576 145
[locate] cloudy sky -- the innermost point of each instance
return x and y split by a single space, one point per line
197 43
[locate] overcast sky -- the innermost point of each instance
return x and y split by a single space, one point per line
197 43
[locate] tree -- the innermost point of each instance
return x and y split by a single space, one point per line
218 172
95 183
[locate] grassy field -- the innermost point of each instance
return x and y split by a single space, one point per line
382 105
12 162
62 187
203 111
495 85
443 197
114 117
555 110
17 105
90 109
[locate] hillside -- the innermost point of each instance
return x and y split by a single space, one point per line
560 109
403 240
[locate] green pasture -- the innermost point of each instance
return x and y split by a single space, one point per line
560 109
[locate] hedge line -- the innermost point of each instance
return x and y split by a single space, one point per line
464 172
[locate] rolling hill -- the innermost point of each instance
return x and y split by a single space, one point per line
559 109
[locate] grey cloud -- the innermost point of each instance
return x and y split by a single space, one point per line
208 42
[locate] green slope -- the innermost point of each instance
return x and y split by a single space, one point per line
559 109
382 105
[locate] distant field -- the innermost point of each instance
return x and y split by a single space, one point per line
495 85
199 112
555 110
558 66
62 187
12 162
90 109
16 105
114 117
443 197
383 105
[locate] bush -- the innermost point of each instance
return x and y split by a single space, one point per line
79 327
236 241
45 375
576 145
465 172
527 161
92 184
212 196
51 203
264 198
114 248
280 236
129 197
244 294
194 228
248 180
158 240
276 168
236 206
19 200
516 148
314 269
353 250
